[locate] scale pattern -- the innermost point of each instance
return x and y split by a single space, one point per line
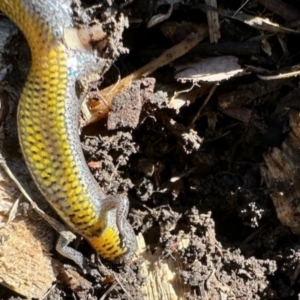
48 117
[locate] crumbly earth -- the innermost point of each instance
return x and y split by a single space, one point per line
189 174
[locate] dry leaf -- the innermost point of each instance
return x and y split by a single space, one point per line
212 69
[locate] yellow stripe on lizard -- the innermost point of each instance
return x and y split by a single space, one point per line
48 118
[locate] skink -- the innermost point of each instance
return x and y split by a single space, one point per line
48 117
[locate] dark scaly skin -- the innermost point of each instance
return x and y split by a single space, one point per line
48 131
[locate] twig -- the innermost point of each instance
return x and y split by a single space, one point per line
212 90
101 110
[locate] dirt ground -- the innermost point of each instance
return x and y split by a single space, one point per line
193 151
